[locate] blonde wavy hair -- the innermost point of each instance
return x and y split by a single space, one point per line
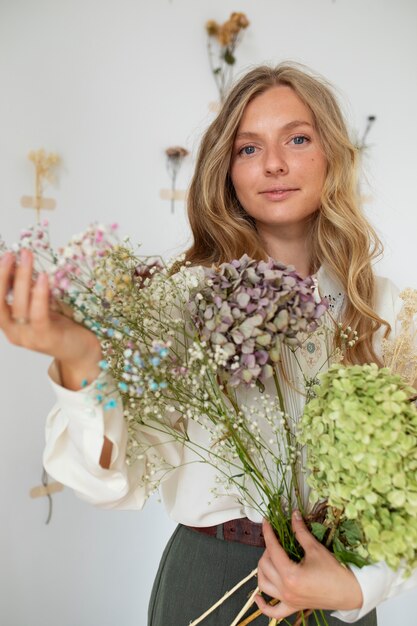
342 239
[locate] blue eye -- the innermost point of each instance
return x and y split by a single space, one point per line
247 150
300 140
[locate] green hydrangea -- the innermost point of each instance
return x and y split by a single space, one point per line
361 435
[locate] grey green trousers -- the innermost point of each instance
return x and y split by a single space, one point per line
196 570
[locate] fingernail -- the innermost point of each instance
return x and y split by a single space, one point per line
298 515
24 257
41 280
5 258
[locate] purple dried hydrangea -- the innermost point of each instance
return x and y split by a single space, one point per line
249 308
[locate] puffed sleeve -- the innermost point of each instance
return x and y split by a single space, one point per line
379 582
75 430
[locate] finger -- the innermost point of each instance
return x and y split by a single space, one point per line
279 611
269 581
22 285
276 552
268 571
304 537
39 307
6 269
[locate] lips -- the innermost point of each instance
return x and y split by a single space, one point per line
278 193
279 189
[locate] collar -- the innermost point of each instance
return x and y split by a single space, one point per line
329 287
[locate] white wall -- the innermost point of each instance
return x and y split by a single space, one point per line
109 85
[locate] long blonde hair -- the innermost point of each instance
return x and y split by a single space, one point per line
342 239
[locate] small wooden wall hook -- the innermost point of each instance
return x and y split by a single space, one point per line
42 490
46 489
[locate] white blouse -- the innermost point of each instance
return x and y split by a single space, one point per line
74 439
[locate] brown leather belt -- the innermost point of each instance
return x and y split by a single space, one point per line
241 530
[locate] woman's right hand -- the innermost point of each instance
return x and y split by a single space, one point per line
30 323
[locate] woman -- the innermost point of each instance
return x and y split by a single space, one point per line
275 176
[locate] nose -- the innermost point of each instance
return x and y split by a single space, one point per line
275 162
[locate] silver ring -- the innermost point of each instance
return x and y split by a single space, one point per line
21 320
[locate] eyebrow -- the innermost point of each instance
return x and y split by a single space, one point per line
289 126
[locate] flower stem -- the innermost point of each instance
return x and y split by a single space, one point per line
334 528
257 613
226 595
245 607
289 443
174 176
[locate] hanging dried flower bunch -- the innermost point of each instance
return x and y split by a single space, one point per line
361 144
44 163
362 148
400 354
175 157
226 37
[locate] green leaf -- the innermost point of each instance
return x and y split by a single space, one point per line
228 57
318 530
346 556
351 531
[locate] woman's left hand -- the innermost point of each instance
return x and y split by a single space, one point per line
319 581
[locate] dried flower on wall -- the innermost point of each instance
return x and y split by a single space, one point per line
225 38
44 164
362 147
400 353
361 143
175 156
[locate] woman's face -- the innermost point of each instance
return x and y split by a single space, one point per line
278 167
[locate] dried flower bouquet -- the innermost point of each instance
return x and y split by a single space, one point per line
192 343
